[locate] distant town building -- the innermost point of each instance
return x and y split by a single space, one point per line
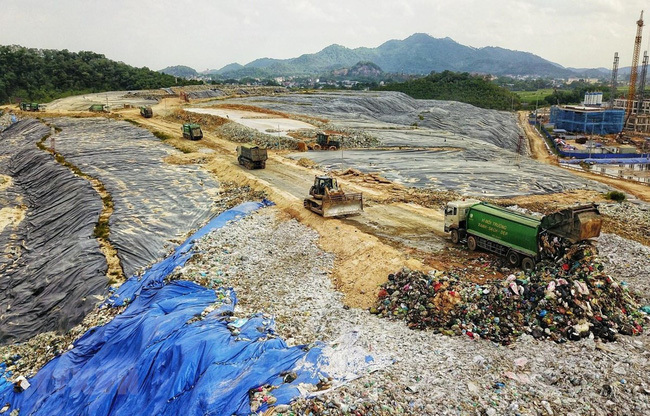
587 80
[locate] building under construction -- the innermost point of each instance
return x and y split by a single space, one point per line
640 114
588 119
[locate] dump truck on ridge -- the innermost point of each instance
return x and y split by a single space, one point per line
146 111
514 235
251 156
98 108
192 131
30 107
326 198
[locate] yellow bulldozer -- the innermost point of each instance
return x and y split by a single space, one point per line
326 198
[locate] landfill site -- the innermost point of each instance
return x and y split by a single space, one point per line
260 251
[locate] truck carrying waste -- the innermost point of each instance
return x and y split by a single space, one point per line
98 108
252 156
146 111
31 106
192 131
513 235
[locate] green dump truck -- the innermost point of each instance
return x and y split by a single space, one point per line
29 106
98 108
514 235
251 156
146 111
192 131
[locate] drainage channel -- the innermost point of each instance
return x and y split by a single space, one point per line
114 273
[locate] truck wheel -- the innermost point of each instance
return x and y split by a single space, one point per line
317 147
333 148
455 237
528 264
471 243
513 258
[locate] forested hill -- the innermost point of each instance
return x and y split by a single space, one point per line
43 74
463 87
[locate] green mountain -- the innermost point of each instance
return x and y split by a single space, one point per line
45 74
227 68
180 71
360 70
417 54
454 86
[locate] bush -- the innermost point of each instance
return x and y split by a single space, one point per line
615 196
161 135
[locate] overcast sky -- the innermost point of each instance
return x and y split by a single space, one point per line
208 34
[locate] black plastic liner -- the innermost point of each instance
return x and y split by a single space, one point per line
157 204
51 269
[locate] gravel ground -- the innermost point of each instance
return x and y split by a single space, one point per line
627 261
275 267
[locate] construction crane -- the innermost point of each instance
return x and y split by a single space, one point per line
644 74
635 63
612 93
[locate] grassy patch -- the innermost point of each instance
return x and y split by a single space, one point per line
534 97
102 230
162 136
615 196
184 149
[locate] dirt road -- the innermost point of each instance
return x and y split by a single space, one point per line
367 247
535 141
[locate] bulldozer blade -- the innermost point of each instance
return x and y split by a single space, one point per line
348 205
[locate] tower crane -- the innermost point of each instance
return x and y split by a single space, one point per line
612 93
635 63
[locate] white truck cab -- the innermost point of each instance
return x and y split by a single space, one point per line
455 217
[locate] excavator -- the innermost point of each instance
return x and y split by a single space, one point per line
327 199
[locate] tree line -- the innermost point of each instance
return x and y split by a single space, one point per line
447 85
28 74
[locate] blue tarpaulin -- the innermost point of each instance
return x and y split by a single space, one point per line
612 161
157 358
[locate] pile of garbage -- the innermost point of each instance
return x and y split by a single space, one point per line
569 297
6 119
241 134
350 138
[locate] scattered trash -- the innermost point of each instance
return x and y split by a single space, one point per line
569 297
21 384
